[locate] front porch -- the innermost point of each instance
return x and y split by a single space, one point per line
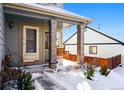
33 38
31 34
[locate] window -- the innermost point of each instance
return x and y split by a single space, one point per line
92 49
31 40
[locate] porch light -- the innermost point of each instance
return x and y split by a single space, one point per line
11 24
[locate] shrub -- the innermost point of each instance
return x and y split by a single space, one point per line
90 72
104 70
25 81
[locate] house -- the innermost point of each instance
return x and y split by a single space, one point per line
96 44
29 32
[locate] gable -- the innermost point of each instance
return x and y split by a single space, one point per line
93 36
72 39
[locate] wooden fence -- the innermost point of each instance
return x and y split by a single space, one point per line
111 63
114 61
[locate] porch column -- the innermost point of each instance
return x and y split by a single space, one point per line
61 36
1 39
53 47
80 44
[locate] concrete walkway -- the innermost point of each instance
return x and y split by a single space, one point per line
43 82
47 84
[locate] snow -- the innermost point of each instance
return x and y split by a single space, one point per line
57 10
35 75
76 80
10 85
73 79
70 80
67 62
63 63
42 82
106 83
37 85
120 70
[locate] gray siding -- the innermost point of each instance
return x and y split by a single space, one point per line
11 40
1 35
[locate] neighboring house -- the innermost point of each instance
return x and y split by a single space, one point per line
32 32
96 44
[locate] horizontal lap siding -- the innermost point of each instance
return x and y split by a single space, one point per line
1 35
71 48
11 40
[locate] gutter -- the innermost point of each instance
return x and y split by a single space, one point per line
41 10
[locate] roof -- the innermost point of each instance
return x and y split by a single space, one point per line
120 42
49 10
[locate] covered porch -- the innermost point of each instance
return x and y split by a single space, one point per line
34 32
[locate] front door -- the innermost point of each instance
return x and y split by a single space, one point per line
30 43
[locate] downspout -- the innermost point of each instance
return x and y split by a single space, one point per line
49 25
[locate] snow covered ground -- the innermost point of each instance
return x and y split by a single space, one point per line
75 80
42 82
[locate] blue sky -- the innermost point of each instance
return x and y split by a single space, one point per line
109 16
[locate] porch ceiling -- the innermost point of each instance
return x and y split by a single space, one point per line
49 11
66 25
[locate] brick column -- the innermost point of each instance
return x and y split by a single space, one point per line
80 44
53 47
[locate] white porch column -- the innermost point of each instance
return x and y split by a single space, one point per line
61 35
53 39
80 44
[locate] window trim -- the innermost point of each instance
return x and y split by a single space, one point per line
90 49
34 55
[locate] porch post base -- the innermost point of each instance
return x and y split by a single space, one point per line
53 66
